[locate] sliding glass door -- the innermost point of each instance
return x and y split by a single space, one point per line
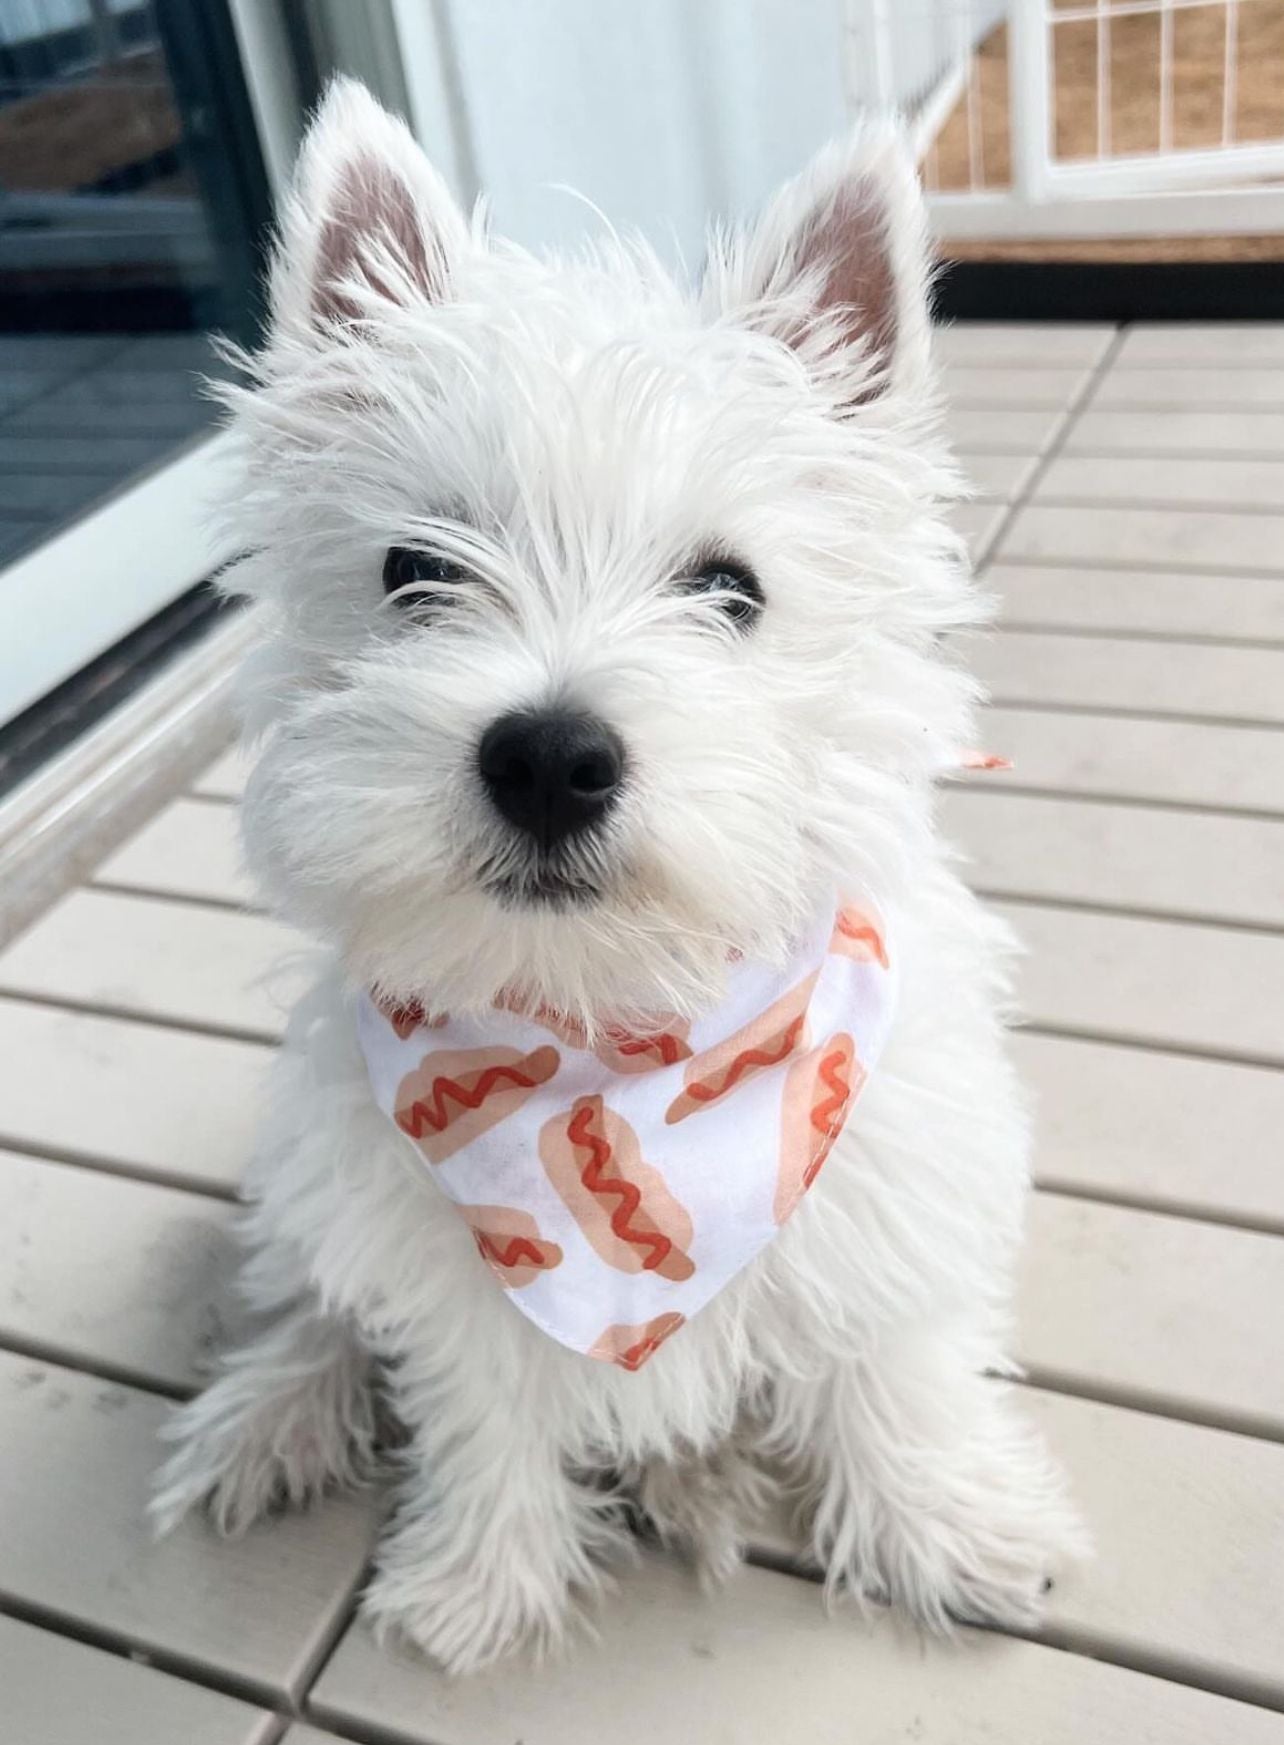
133 213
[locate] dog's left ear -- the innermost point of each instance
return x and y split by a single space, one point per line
839 266
368 221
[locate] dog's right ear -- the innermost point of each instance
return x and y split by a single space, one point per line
368 222
839 265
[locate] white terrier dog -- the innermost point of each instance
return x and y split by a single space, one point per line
603 655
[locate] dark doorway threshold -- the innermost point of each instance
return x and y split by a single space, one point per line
1111 291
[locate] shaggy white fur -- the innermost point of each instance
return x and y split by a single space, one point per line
572 434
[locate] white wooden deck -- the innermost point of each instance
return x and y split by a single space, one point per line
1133 528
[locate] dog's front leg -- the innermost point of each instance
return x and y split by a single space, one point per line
929 1488
290 1415
494 1539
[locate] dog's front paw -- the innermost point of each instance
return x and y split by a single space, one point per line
989 1533
998 1568
465 1619
469 1592
256 1442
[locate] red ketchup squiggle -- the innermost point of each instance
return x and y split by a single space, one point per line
434 1114
597 1182
707 1090
519 1250
826 1117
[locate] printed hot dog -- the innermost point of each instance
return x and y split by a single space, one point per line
819 1090
630 1347
453 1095
644 1051
772 1037
509 1241
621 1049
594 1160
856 936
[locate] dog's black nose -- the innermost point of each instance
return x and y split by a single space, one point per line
551 773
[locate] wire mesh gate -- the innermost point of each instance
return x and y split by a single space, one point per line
1083 117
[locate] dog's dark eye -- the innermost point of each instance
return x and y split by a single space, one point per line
739 590
404 568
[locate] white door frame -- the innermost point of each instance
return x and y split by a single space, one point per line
994 215
69 600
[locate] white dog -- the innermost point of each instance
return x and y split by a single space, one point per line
603 655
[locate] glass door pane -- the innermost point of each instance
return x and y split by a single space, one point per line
133 206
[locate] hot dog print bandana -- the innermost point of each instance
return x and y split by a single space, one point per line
614 1187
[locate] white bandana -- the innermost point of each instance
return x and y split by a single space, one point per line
613 1190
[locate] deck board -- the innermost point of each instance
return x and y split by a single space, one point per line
74 1541
1009 430
1138 385
998 477
224 778
1188 1527
968 385
138 956
1183 431
1126 602
128 1096
189 849
114 1275
53 1686
1186 679
1156 1129
1181 481
979 523
1207 866
1016 345
1164 983
1197 539
1194 346
1189 1294
1122 757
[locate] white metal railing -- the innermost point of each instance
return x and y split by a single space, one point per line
1103 184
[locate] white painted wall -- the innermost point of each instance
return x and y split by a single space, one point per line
659 112
662 113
